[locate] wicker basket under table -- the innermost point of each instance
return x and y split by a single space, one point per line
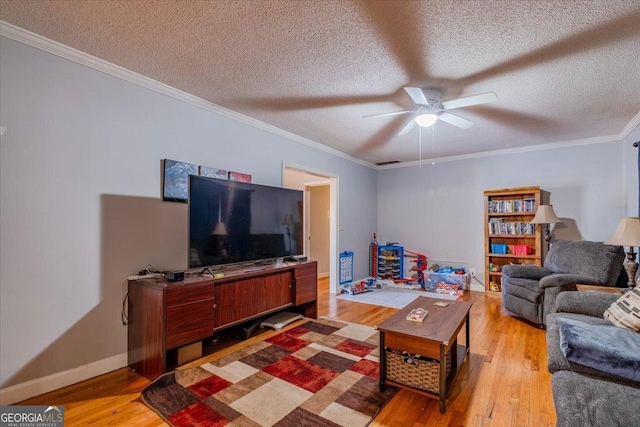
416 371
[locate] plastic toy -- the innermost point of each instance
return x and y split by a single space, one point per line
373 257
371 283
420 267
354 288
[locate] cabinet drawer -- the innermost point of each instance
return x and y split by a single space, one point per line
412 344
306 284
306 289
306 269
185 294
189 322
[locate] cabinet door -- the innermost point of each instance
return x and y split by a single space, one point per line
277 290
247 298
306 284
225 312
187 323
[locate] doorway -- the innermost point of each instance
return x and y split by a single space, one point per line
319 217
316 243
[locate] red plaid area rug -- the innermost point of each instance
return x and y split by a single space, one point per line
321 373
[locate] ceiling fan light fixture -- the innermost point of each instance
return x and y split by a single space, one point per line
426 120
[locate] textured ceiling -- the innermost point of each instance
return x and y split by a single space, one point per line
563 70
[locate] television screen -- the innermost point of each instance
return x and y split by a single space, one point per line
235 222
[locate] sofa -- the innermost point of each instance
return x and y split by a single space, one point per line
600 390
530 291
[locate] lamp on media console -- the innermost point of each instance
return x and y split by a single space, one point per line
628 234
288 221
545 215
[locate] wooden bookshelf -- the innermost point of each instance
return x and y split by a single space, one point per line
507 213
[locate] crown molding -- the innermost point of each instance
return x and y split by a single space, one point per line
634 123
507 151
39 42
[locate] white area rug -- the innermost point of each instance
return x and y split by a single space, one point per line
392 297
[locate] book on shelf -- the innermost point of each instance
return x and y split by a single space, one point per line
499 226
417 315
508 206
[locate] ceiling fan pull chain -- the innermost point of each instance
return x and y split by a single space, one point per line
420 145
433 140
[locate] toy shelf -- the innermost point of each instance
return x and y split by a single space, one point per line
390 261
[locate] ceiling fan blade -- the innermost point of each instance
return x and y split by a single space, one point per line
388 114
417 95
470 100
407 127
455 120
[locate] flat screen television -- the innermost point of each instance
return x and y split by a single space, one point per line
237 222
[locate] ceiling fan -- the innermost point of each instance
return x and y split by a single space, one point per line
429 108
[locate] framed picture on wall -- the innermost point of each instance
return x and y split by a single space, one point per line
213 172
175 180
237 176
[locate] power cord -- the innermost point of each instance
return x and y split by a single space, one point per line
152 270
477 280
124 315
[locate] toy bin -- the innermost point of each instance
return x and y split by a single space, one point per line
500 249
447 281
522 249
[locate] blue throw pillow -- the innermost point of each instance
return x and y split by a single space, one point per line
605 348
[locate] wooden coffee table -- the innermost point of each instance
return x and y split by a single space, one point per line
433 338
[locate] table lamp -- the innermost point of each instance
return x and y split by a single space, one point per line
545 215
628 234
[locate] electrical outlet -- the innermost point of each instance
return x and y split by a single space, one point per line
473 272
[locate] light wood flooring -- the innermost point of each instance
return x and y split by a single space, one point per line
505 382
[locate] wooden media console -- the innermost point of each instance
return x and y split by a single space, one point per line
165 316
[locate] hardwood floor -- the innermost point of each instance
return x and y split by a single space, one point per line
505 382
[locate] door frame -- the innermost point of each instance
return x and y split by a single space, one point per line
307 215
333 181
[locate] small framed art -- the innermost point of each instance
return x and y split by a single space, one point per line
213 172
175 180
237 176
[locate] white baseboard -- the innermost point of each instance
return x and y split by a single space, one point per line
477 287
28 389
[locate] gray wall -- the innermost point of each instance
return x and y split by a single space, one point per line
630 171
80 208
438 209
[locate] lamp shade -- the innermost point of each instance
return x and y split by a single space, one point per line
288 219
627 233
545 215
220 229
